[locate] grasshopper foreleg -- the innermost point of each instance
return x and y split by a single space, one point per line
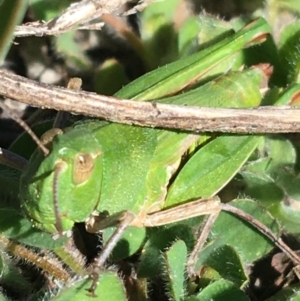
124 219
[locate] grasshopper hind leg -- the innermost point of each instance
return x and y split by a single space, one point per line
123 219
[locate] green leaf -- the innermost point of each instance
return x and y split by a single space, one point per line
152 261
165 8
222 290
11 275
109 287
272 181
212 29
48 9
157 26
261 186
289 47
230 269
110 77
290 96
175 267
68 47
3 298
188 37
14 226
287 209
11 13
279 151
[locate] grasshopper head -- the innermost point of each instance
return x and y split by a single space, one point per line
64 187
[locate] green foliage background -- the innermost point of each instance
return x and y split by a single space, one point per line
260 175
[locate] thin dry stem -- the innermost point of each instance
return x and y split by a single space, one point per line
79 15
13 160
273 119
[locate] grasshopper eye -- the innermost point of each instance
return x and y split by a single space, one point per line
83 168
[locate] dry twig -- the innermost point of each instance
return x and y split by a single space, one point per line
79 15
283 119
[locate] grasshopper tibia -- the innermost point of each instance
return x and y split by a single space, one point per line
264 230
208 224
203 232
124 219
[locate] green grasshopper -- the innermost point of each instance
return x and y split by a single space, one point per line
119 175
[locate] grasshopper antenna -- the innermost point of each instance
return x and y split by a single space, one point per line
58 225
18 120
